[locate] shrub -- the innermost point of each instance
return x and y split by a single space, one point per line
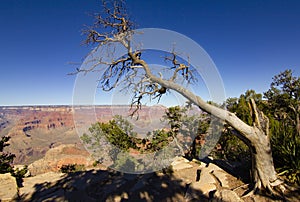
72 168
6 159
286 152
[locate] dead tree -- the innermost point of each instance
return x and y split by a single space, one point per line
126 69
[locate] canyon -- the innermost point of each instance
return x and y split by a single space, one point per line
36 129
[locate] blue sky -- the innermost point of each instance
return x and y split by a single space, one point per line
249 41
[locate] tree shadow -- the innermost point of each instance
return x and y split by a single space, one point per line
240 170
109 185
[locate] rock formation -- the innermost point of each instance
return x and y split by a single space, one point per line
56 157
8 187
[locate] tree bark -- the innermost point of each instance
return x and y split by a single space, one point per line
263 172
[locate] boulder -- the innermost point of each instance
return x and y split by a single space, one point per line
8 187
31 184
180 163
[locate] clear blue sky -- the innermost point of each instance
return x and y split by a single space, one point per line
249 41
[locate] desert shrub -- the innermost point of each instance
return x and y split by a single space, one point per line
160 139
19 174
6 159
286 151
97 162
117 131
72 168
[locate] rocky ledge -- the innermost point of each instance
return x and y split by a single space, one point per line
183 181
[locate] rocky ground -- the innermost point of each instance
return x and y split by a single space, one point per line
183 181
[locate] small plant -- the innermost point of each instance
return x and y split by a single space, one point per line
96 163
19 174
72 168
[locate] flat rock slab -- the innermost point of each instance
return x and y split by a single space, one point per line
226 195
206 177
8 187
181 166
180 163
212 167
198 189
222 177
30 184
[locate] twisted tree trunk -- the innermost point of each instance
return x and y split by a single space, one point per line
263 172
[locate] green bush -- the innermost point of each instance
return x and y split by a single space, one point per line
19 174
6 159
72 168
286 151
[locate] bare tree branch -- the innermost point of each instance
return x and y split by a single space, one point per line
179 67
113 18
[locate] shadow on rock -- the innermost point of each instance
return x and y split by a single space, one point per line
108 185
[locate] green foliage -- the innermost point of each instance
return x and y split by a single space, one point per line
20 173
117 131
86 138
286 152
72 168
283 110
116 136
193 126
174 116
160 139
6 159
95 163
284 98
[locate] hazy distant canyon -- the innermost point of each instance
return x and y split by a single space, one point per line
36 129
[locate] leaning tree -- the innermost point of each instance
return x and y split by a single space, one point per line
113 26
